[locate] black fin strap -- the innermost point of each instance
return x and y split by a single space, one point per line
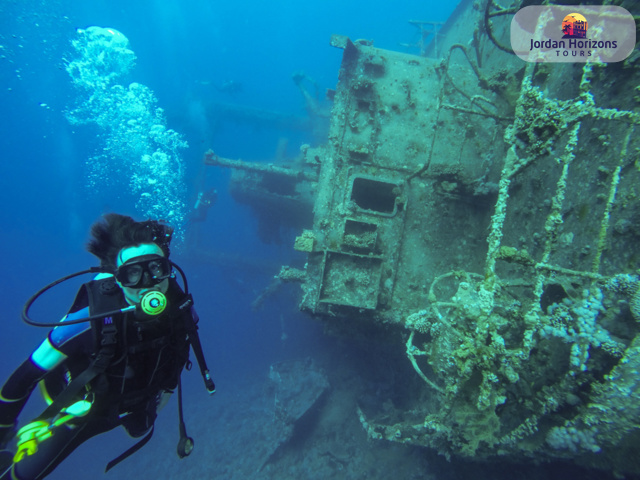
130 451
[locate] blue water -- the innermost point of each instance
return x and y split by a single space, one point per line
184 49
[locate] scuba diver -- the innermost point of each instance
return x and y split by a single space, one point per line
204 202
113 360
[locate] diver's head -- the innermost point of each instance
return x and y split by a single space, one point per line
142 268
116 232
118 240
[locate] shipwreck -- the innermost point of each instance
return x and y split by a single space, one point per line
484 210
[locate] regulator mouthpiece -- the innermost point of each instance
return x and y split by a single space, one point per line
153 303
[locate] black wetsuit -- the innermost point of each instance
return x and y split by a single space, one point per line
148 358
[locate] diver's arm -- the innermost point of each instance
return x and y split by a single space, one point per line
14 395
16 392
23 380
58 345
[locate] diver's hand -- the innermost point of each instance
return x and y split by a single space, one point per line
7 434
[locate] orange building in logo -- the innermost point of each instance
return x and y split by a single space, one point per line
574 25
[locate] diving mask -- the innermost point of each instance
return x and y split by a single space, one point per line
145 271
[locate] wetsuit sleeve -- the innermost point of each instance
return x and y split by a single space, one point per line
59 344
16 392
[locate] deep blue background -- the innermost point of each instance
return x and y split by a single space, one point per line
183 49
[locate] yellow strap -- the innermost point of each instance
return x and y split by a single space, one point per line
62 421
9 400
26 449
45 393
38 431
29 437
